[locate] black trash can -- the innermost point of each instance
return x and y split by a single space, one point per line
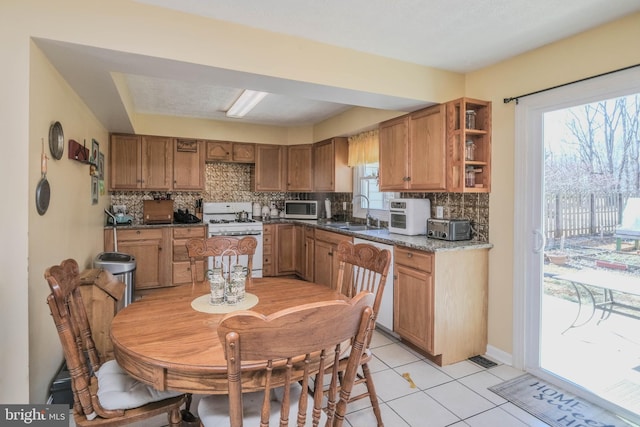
123 267
60 389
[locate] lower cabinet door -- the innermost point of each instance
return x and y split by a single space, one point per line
148 256
413 306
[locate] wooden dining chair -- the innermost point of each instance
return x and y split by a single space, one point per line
364 267
226 251
290 345
103 393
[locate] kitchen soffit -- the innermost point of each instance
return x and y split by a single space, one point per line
425 32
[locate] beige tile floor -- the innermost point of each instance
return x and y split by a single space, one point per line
454 395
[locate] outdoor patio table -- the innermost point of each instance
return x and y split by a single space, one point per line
608 282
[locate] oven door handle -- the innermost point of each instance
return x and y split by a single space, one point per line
235 233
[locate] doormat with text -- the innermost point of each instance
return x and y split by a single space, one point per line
553 405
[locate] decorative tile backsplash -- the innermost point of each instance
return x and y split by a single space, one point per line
231 182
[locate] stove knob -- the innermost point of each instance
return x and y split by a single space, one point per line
430 233
444 235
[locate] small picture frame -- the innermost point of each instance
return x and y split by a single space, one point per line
95 149
101 166
94 190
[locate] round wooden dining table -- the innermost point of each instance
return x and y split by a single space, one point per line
163 341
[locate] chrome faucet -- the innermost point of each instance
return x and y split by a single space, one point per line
368 217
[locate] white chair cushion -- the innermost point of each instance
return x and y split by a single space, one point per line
117 390
214 410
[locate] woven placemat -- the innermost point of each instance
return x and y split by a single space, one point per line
202 304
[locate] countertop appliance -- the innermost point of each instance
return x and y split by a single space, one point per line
449 229
301 209
157 211
184 217
221 220
409 216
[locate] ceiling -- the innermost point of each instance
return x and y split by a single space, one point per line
425 32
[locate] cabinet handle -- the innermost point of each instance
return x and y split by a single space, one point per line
410 255
330 254
137 231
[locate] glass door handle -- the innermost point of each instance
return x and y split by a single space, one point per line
539 240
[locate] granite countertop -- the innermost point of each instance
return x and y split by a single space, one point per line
139 225
381 235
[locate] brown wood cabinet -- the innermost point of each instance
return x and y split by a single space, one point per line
188 165
152 249
285 249
413 297
142 162
268 250
330 169
440 307
413 151
279 250
304 247
459 136
125 165
181 266
157 162
227 151
325 263
300 168
270 171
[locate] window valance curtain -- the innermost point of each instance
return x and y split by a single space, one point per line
363 148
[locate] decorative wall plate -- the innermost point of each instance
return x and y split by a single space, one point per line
56 140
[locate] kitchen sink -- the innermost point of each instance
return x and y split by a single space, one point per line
350 227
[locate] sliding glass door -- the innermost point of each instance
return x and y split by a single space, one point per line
575 174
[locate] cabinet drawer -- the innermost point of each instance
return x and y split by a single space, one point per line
329 237
267 241
140 234
188 232
267 229
267 270
180 251
414 259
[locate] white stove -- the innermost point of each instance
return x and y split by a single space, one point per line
225 219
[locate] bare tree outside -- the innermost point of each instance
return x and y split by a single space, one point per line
597 151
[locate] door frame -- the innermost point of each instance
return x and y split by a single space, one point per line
528 211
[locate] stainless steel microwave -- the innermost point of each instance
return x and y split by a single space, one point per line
301 209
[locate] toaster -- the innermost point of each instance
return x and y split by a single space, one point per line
449 229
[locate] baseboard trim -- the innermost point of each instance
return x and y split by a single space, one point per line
499 355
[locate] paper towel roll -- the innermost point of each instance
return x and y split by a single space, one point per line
327 207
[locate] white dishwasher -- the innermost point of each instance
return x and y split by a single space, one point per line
385 316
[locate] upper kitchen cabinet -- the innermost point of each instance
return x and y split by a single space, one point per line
188 165
140 162
270 171
331 172
226 151
299 168
124 162
413 151
469 146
